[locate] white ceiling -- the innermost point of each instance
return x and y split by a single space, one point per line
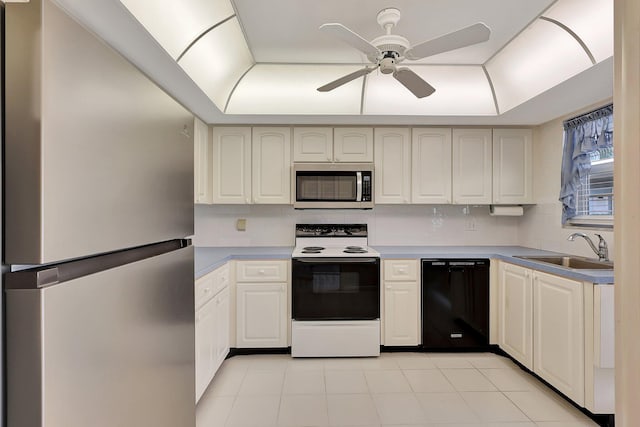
287 30
283 35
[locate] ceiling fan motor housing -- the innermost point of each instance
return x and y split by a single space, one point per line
390 43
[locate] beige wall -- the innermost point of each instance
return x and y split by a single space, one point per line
541 226
627 178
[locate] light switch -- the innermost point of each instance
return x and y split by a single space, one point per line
241 224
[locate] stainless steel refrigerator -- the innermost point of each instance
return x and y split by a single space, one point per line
98 202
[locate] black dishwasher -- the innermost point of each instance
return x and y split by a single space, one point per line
455 304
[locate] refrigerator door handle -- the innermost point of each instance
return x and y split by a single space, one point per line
42 277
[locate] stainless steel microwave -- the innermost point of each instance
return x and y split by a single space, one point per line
332 185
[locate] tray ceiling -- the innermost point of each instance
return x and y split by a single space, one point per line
261 61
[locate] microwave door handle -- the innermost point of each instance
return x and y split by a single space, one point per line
358 186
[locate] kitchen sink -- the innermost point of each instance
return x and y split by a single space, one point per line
573 262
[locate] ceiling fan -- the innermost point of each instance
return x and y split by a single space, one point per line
388 50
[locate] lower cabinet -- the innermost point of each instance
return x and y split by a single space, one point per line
558 333
262 315
262 304
401 308
211 326
543 324
515 294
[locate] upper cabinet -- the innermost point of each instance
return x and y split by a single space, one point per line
512 166
472 166
271 176
393 165
353 144
431 165
325 144
313 144
231 165
202 163
421 165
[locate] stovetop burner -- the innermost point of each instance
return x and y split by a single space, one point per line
355 251
313 248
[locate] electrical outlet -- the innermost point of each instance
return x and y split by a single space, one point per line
241 224
470 224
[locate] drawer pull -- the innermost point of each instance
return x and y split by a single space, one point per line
261 271
207 290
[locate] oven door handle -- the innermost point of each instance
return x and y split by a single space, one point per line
337 260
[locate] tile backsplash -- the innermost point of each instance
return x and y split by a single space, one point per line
273 225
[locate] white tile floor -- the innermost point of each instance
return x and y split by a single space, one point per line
395 389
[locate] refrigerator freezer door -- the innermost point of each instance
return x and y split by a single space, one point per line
97 157
113 348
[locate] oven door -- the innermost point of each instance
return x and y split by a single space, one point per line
335 288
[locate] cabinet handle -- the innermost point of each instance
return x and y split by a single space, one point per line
401 270
261 271
247 200
207 290
337 159
388 287
329 158
281 288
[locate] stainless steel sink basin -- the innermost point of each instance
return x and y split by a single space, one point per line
574 262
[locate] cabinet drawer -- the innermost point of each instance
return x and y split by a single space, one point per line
210 284
401 269
220 278
204 290
262 271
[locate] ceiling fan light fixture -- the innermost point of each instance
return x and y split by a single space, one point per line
387 65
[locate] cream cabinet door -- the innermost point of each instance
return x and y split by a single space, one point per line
515 322
313 144
231 165
558 312
221 334
205 326
261 315
472 166
353 145
401 313
392 148
431 165
512 166
202 163
271 172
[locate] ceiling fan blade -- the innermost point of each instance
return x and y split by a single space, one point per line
413 82
476 33
345 79
351 38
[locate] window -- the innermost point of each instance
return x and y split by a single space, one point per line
587 170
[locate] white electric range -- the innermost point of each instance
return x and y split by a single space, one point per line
335 286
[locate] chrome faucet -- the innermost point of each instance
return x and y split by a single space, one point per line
602 250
